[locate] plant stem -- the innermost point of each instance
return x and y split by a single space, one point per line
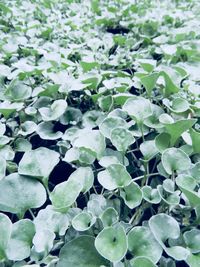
142 176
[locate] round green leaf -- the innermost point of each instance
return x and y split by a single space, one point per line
52 220
192 240
162 234
109 217
29 193
38 163
111 243
132 195
151 195
114 176
110 123
174 159
141 242
95 141
55 111
65 194
121 138
83 221
138 107
81 252
19 246
5 234
46 132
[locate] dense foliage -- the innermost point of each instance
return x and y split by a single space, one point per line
99 133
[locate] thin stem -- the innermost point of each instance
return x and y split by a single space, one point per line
142 176
32 214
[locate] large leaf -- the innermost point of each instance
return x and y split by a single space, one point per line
111 243
141 242
139 108
81 252
174 159
5 234
29 193
65 194
162 234
38 163
19 246
95 141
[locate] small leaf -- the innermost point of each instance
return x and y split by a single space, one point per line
132 195
187 185
109 217
114 176
151 195
111 243
45 131
85 176
56 110
121 138
83 221
174 159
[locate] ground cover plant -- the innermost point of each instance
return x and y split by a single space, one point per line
99 133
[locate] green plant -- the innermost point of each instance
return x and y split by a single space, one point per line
99 133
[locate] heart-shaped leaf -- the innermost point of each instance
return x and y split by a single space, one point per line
83 221
5 234
141 242
139 108
65 194
174 159
38 163
132 195
52 220
55 111
114 176
111 243
95 141
162 234
122 138
29 194
19 246
110 123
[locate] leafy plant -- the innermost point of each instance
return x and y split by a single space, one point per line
99 133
